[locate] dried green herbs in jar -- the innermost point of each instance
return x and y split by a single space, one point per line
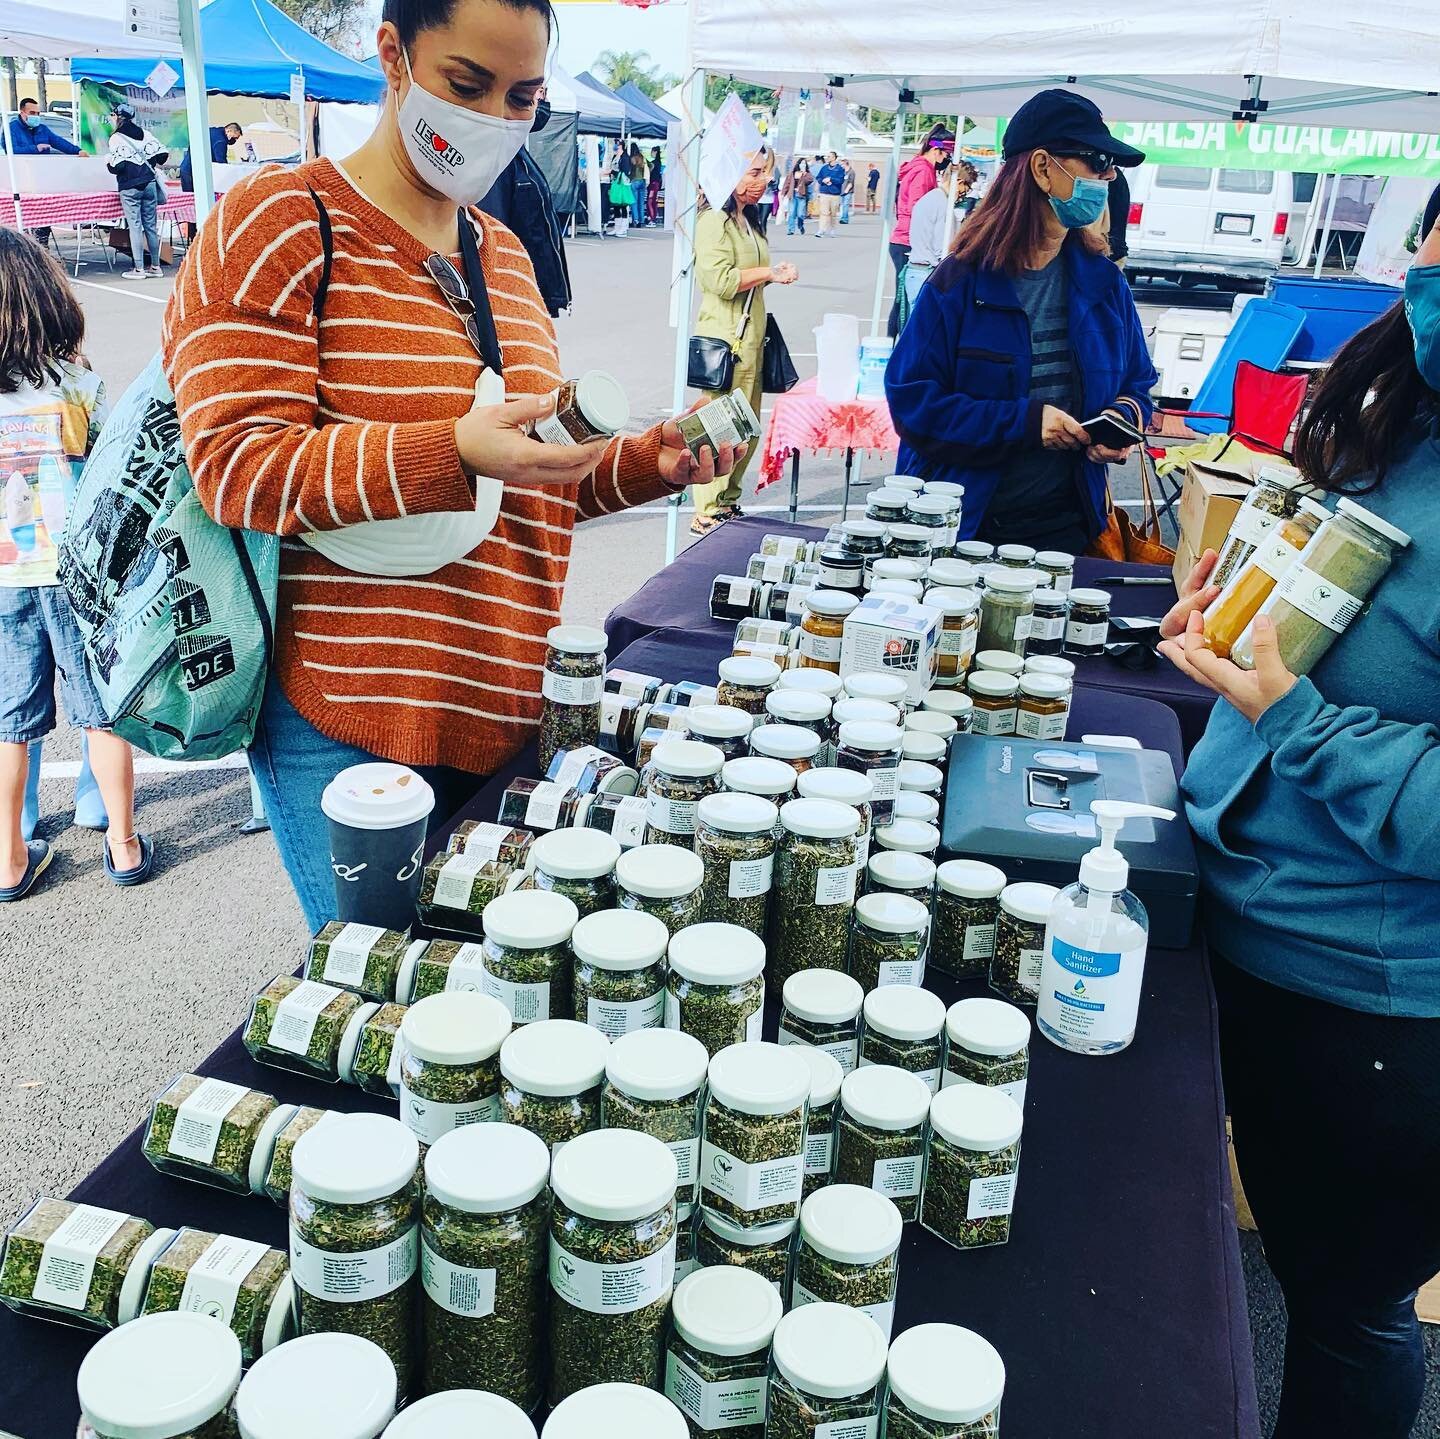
449 1064
620 971
821 1117
484 1239
763 1249
904 1028
967 904
680 774
495 841
752 1158
663 880
208 1130
354 1233
432 966
716 989
943 1382
550 1076
826 1364
527 959
891 934
848 1252
815 886
570 689
299 1024
972 1166
612 1260
362 957
578 863
821 1008
1020 940
278 1172
988 1043
456 888
374 1064
735 839
69 1261
881 1142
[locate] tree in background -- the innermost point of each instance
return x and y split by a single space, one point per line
341 23
615 67
717 87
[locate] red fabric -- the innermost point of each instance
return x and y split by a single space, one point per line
1265 406
76 207
803 420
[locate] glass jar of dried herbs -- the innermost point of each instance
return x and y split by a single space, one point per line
616 1411
354 1233
848 1252
620 816
612 1260
821 1118
455 889
494 841
70 1261
967 905
803 709
449 1070
680 774
663 880
362 957
895 871
208 1130
891 932
299 1024
578 863
987 1042
816 865
843 786
826 1364
723 726
943 1382
1087 623
538 804
243 1284
881 1138
431 966
745 681
570 689
762 1249
872 748
718 1353
904 1028
790 744
620 971
167 1376
771 779
370 1056
752 1158
551 1073
821 1008
528 963
716 989
735 839
335 1384
276 1180
1006 605
972 1165
483 1248
1020 940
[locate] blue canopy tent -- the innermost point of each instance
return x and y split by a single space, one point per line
637 124
636 99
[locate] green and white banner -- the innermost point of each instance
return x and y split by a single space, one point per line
162 115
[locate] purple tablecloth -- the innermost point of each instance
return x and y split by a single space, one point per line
679 598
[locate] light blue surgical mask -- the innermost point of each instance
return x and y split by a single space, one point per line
1422 309
1086 204
32 121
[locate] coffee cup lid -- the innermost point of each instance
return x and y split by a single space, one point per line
377 795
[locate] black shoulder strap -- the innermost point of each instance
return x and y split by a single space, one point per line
327 246
479 296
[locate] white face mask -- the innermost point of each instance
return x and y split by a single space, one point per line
457 151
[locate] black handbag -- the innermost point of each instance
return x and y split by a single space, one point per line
711 364
777 370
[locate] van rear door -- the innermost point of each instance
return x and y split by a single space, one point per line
1176 212
1246 207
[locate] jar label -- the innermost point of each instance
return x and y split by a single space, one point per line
466 971
295 1016
1252 524
457 1288
866 1428
428 1119
487 839
684 1268
628 826
819 1149
741 591
898 1178
750 877
959 642
1022 631
687 1154
345 962
1031 961
454 882
714 1406
835 886
198 1119
1274 555
612 1288
572 689
788 547
213 1283
902 971
1047 627
844 1052
542 809
820 647
751 1186
1323 600
719 426
754 1021
353 1278
616 1017
576 762
990 1196
983 721
836 579
886 780
1029 725
526 1002
771 568
1086 636
979 941
67 1259
672 816
672 1010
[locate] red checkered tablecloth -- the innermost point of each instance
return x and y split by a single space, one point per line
73 207
803 420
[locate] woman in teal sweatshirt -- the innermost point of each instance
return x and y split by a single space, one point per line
1315 803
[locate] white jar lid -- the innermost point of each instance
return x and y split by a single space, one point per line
688 758
757 1077
717 953
324 1386
575 853
905 1011
577 639
462 1411
887 496
909 834
1285 477
620 939
718 721
898 568
859 708
784 741
749 671
615 1174
377 795
660 871
405 976
863 529
829 1350
1050 665
1055 560
952 602
1029 901
137 1275
976 548
851 1223
1098 598
1015 552
843 786
825 682
992 685
615 1411
1371 520
831 602
892 913
529 919
1017 582
866 685
951 574
883 1096
823 996
603 402
758 774
454 1027
945 487
919 774
911 589
819 818
971 879
912 533
1313 508
737 813
487 1168
726 1310
921 745
657 1064
264 1145
868 735
974 1116
929 504
899 869
930 720
912 804
554 1057
1000 662
946 1373
355 1159
755 1236
1045 687
159 1376
987 1026
797 705
825 1073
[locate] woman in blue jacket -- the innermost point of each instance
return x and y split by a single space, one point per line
1315 802
1025 330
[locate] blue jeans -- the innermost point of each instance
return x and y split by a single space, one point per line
139 207
40 642
845 200
796 217
637 204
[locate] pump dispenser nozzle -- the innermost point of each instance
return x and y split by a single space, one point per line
1105 869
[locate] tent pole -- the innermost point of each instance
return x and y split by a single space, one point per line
1329 220
197 109
10 166
887 221
954 180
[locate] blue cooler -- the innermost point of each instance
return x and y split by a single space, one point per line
1335 309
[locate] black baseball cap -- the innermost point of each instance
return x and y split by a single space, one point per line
1063 120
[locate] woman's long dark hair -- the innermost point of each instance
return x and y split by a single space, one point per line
1367 401
41 321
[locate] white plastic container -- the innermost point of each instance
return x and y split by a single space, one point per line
837 351
462 1411
821 1008
550 1074
945 1382
616 1411
828 1359
338 1386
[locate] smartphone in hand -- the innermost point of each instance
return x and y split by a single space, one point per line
1112 431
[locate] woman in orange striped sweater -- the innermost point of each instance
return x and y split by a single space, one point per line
294 423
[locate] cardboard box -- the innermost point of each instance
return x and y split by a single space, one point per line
1427 1306
891 635
1209 498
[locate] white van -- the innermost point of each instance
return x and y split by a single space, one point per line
1221 227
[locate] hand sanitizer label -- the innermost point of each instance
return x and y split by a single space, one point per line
1090 996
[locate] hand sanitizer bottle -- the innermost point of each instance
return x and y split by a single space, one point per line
1094 959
